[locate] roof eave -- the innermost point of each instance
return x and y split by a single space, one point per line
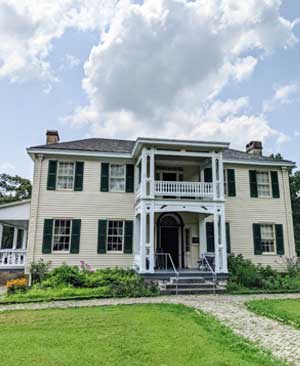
84 153
263 163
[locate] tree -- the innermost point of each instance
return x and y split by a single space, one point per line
14 188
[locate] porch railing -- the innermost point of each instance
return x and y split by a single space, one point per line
207 264
12 258
188 189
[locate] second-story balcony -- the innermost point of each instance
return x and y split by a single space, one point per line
184 189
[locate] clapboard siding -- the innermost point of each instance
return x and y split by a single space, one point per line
90 205
242 211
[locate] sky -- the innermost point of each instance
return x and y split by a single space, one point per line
225 70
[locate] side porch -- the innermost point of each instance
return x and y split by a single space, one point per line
174 237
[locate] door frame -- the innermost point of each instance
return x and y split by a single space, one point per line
180 226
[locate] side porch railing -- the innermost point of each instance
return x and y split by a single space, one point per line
207 264
162 261
12 258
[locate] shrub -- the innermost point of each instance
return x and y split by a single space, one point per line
63 276
17 285
38 270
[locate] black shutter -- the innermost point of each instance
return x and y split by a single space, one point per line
129 178
47 237
208 175
275 185
104 177
279 239
257 239
128 237
228 244
231 182
52 169
102 236
210 237
79 169
253 183
75 238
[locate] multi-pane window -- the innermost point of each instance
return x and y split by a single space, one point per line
62 235
7 237
115 236
117 177
65 175
263 184
267 238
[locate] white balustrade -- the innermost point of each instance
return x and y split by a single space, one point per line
12 258
188 189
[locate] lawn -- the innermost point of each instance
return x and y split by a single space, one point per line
157 335
286 311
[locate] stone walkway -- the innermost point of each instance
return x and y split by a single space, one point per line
282 340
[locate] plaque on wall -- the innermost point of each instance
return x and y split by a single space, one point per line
195 240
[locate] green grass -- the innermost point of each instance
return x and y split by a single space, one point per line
62 293
134 335
286 311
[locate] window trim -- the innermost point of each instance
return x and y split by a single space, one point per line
53 235
123 237
57 176
274 236
270 184
112 177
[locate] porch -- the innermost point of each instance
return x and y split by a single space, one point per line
172 238
14 219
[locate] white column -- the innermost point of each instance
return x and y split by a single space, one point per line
144 173
221 176
151 241
24 240
202 233
1 234
214 177
142 239
15 238
216 235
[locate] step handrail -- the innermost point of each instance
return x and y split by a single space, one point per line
214 275
168 255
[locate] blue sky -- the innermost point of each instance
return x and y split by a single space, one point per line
137 84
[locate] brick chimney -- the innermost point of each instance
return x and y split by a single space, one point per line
52 137
254 148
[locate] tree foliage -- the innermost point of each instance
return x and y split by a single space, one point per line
14 188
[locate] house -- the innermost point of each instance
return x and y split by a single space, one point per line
154 204
14 222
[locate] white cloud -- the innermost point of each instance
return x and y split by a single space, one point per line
28 27
162 65
72 61
285 94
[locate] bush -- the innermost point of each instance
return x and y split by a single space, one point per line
17 285
244 275
38 270
117 282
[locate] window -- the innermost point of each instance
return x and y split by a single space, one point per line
263 184
62 236
20 238
115 236
267 238
65 176
117 178
7 237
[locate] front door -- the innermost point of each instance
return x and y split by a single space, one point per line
169 243
169 177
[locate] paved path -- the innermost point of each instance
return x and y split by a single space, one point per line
282 340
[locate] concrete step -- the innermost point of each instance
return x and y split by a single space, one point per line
193 291
187 279
189 285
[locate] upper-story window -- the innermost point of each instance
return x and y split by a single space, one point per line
263 184
117 178
65 175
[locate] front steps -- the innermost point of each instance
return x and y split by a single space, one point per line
187 285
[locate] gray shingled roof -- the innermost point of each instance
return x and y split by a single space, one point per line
94 144
126 146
